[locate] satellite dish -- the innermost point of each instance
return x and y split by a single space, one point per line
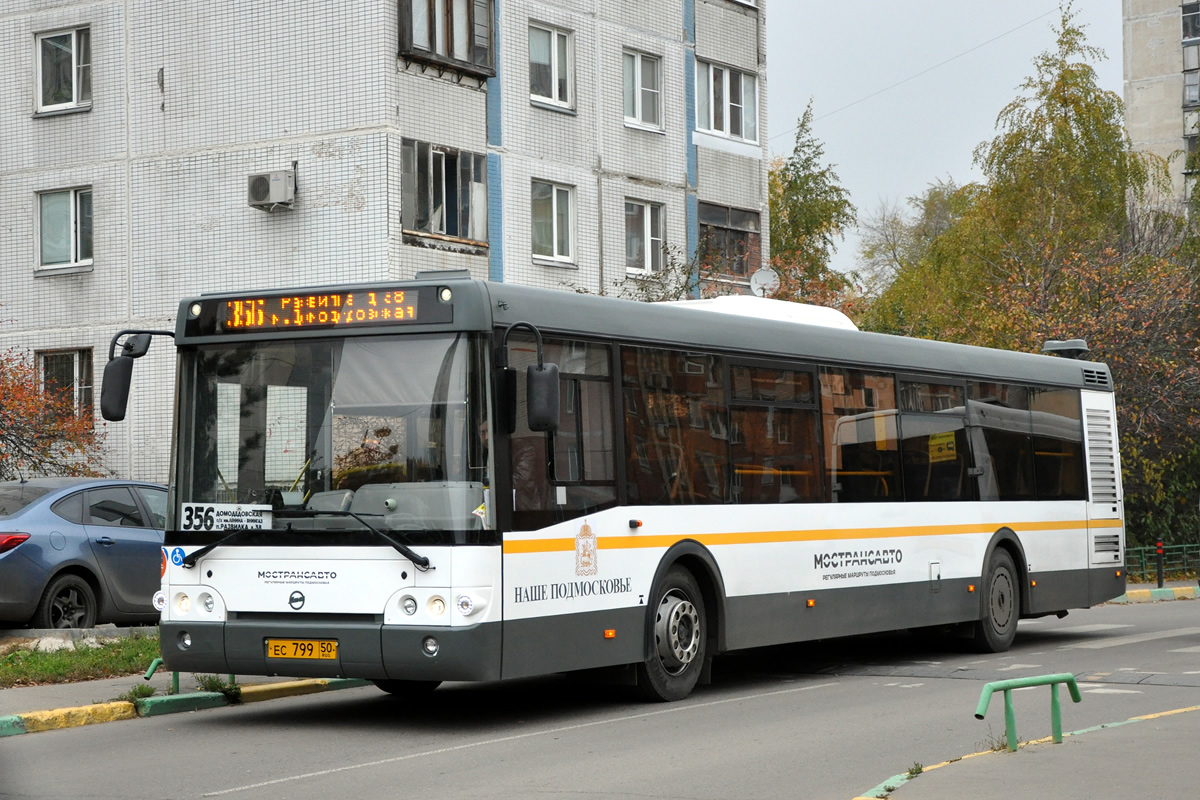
764 281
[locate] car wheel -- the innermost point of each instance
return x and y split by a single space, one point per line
68 602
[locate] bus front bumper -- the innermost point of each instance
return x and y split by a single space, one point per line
364 650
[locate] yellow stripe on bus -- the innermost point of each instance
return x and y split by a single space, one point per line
557 545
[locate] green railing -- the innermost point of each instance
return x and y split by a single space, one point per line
1010 718
1180 561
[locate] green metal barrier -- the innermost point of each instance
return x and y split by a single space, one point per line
1010 719
1179 561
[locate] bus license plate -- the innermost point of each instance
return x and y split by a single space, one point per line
302 648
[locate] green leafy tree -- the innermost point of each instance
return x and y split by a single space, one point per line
1063 241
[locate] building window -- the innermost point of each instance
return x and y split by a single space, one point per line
643 89
457 33
551 76
729 239
726 101
67 378
1191 21
444 191
64 70
552 222
643 236
65 227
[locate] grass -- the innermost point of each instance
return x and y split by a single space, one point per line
109 659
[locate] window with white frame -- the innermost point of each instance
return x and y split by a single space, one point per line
643 236
551 75
443 191
65 227
64 70
642 89
726 101
1191 54
67 379
552 220
456 33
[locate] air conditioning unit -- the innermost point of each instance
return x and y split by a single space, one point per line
271 190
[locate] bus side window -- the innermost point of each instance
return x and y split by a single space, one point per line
862 451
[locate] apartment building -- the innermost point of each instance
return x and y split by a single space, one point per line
156 150
1162 82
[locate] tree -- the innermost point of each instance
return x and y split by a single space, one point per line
1063 241
810 212
40 434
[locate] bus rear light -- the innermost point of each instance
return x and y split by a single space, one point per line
8 541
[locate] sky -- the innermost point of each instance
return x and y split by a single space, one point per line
903 92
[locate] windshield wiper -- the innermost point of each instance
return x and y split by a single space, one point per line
419 561
190 561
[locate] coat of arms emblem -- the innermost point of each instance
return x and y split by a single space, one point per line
585 551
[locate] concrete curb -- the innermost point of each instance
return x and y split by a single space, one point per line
1157 595
37 721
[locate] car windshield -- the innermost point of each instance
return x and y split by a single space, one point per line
15 496
385 427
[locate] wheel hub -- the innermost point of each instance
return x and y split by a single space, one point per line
677 632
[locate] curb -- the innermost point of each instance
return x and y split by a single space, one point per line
1157 595
37 721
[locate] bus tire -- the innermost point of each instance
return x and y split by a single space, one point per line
1002 605
410 689
677 629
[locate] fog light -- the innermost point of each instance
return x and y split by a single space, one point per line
437 606
185 640
184 604
206 600
409 604
159 601
465 604
430 646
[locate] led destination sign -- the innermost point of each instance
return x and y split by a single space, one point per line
318 310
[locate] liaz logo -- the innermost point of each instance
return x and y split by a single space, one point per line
296 601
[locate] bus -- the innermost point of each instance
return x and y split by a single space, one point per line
450 479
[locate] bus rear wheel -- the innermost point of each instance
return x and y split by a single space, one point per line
677 630
1002 605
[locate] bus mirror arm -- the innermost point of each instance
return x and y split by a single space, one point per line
541 384
118 372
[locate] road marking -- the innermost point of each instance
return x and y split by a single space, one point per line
1090 628
1186 650
516 737
1118 641
1017 666
1113 691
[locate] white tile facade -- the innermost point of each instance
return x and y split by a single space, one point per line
190 98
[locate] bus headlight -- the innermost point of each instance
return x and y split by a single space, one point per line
430 646
409 604
465 604
207 602
183 603
159 601
437 606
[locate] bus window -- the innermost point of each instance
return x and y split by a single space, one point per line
858 410
934 442
1001 439
676 427
774 438
1058 444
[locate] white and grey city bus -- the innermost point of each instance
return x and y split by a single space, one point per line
449 479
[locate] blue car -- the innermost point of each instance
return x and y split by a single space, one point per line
78 551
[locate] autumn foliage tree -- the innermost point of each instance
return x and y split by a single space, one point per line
1066 239
40 433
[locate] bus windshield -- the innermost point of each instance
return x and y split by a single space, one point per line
390 428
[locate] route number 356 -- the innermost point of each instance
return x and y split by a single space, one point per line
199 518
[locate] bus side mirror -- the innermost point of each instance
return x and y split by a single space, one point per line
541 394
114 391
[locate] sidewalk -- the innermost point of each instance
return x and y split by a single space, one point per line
1141 757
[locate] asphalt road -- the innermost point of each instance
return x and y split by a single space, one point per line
822 720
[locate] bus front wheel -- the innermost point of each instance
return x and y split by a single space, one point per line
677 629
1002 605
